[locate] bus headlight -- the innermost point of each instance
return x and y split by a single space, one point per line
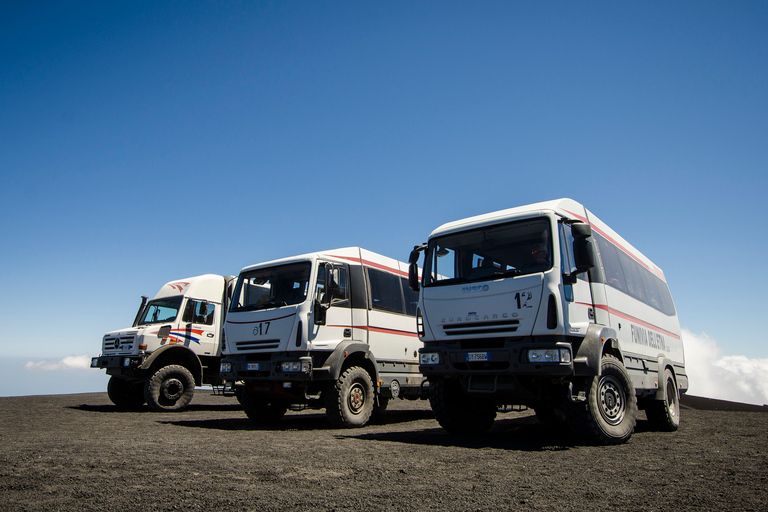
295 366
429 358
225 367
549 355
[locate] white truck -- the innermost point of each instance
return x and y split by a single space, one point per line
332 329
545 306
173 345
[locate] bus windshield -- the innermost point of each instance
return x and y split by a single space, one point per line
501 250
271 287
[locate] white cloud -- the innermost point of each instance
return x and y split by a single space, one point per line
733 378
68 363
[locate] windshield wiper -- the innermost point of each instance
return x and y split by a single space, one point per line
273 303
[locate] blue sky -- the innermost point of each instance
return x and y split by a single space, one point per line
144 142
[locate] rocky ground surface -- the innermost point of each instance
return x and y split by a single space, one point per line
79 452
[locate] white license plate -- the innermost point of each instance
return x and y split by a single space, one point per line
252 366
477 356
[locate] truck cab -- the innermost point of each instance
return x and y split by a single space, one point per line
173 345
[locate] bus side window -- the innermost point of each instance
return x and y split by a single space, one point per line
386 293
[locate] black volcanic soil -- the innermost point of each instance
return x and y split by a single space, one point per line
79 452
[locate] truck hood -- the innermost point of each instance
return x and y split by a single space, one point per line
485 309
265 330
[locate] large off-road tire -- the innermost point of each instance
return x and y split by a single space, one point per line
664 414
261 410
609 414
171 388
124 393
459 412
349 401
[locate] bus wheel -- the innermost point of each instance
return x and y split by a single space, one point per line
125 393
170 389
664 414
459 412
260 410
349 401
609 414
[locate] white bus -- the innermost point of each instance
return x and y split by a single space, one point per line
332 329
545 306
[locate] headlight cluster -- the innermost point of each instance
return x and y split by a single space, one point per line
430 358
225 368
295 366
549 355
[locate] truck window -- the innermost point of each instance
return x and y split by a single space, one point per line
161 311
386 293
513 248
341 290
271 287
193 313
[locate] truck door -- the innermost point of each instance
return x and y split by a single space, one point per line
579 305
332 294
200 327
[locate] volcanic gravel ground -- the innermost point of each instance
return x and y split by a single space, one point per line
79 452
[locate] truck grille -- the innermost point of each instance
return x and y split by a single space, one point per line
257 344
495 327
119 343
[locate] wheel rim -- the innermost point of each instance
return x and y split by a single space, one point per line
356 398
172 389
672 398
612 400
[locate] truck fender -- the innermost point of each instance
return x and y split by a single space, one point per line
663 363
347 349
175 354
586 361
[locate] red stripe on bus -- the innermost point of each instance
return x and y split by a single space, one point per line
371 264
631 318
378 329
656 270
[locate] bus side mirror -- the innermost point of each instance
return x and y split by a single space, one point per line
413 277
583 252
413 267
320 313
581 230
583 255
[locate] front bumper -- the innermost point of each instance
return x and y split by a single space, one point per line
509 360
269 367
117 362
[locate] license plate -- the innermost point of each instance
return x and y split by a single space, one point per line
252 366
477 356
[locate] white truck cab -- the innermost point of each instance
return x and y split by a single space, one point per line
173 345
545 306
332 329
